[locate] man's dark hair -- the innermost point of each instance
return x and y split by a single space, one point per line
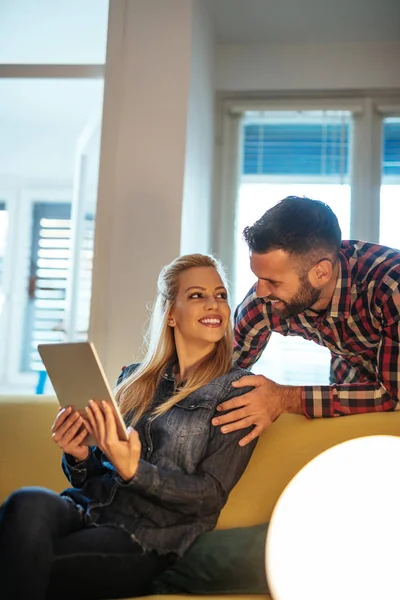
299 226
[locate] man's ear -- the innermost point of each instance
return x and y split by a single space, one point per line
320 273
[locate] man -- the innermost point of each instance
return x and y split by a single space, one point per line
344 296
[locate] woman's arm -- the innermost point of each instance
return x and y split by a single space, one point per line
78 473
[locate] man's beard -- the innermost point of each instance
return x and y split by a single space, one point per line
305 298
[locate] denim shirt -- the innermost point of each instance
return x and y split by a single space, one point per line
185 474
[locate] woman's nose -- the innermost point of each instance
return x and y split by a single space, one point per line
211 302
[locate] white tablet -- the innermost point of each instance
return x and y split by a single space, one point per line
77 376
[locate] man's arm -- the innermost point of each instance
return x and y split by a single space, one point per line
260 407
252 330
264 404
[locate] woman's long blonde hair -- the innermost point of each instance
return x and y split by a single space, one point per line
136 392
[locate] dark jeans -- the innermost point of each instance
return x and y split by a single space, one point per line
47 552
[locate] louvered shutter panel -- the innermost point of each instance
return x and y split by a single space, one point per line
50 254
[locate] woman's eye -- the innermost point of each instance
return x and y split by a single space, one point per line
195 295
223 295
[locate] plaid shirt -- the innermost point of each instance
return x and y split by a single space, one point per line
361 328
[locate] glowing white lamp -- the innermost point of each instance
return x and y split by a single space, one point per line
335 530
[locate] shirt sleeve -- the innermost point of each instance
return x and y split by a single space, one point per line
78 473
375 396
252 330
205 492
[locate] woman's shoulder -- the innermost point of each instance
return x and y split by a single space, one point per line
221 389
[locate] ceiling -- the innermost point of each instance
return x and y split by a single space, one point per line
305 21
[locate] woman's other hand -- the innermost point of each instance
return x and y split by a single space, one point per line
69 431
124 455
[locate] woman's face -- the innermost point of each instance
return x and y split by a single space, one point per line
201 313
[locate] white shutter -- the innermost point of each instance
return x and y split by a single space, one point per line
50 255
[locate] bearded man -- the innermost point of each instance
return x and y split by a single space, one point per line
342 295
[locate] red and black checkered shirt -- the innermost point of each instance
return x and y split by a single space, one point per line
361 328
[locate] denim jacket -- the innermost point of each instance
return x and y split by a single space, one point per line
185 474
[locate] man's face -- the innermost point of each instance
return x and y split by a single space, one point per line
279 281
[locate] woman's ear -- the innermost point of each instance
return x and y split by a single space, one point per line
171 321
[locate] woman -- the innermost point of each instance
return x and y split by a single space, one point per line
136 506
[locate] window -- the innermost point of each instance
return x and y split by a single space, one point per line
51 94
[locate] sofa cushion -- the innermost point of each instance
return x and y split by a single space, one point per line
229 561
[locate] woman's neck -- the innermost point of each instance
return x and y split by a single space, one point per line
189 358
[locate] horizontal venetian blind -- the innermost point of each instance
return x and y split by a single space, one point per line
305 143
391 147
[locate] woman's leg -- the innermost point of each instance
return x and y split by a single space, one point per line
102 563
31 519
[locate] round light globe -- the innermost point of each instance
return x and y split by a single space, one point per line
335 530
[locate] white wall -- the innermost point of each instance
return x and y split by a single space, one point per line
53 31
197 199
41 121
142 168
285 67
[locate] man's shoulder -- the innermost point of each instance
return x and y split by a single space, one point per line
368 261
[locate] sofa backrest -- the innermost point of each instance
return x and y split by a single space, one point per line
287 445
29 457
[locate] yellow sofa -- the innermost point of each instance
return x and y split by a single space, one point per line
29 457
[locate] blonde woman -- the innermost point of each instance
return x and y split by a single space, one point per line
136 506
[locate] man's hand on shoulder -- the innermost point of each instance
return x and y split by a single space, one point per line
259 407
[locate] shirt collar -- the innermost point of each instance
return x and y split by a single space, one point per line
169 372
340 303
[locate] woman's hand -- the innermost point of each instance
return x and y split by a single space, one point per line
68 432
123 455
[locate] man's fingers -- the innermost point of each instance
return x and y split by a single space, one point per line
240 424
233 403
232 416
255 432
249 380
